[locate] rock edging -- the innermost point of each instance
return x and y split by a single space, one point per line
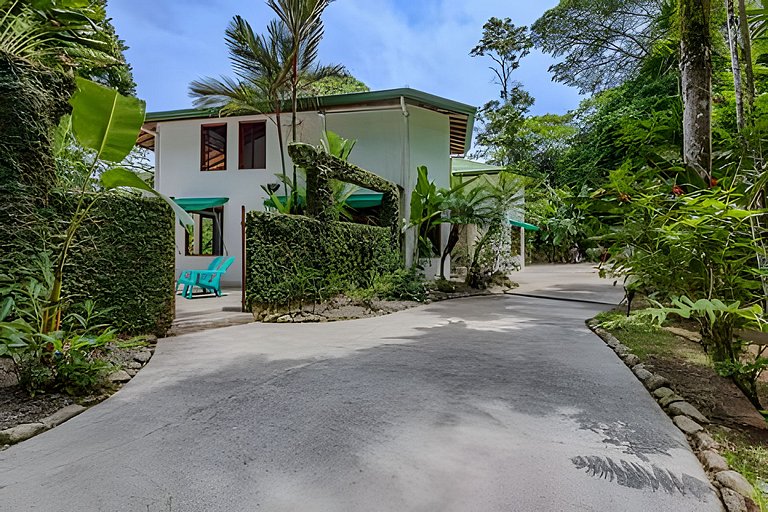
24 431
736 492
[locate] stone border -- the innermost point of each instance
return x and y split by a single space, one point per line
24 431
735 491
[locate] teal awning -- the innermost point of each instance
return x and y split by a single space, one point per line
524 225
195 204
356 201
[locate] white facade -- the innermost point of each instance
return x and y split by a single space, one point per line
391 142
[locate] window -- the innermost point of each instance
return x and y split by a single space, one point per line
206 236
213 147
253 145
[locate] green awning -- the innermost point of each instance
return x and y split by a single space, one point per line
464 167
524 225
356 201
195 204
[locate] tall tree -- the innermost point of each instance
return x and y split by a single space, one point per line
506 45
696 75
733 44
602 42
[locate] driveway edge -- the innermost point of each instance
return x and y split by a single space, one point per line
734 490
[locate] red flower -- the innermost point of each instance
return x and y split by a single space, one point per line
712 182
677 190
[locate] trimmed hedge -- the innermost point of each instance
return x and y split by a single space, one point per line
123 257
293 259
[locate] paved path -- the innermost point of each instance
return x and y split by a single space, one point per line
484 404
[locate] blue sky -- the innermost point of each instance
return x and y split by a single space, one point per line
387 44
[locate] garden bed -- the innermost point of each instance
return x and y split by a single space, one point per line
17 407
674 353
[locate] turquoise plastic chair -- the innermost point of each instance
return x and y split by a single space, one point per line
189 278
210 280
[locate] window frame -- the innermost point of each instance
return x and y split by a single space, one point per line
240 146
203 128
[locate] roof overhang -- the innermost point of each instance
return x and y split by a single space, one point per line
461 116
465 167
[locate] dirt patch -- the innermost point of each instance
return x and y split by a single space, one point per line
715 396
16 407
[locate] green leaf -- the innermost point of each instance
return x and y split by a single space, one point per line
119 177
105 121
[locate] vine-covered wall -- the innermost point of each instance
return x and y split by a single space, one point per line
123 257
292 259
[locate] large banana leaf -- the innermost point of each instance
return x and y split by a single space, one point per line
106 121
119 177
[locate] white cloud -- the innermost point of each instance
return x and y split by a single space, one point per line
386 43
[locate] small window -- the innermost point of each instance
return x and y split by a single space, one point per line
253 145
206 236
213 147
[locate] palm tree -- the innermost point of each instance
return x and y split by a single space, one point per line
69 36
259 65
263 66
303 21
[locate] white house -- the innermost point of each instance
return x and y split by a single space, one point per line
217 166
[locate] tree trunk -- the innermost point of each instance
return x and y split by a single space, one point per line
733 36
745 42
696 70
453 239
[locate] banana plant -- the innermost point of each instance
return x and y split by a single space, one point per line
107 123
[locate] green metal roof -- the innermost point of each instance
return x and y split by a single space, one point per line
339 100
356 201
195 204
465 167
524 225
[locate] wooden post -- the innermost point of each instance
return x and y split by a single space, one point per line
242 259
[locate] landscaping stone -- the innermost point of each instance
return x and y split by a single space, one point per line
134 365
621 349
655 382
687 409
662 392
143 356
131 372
763 487
642 373
687 425
62 415
631 360
704 441
733 501
734 480
713 461
119 376
684 333
667 400
20 433
284 319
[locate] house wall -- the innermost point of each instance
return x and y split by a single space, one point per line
388 144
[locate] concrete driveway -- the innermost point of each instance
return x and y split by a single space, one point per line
485 404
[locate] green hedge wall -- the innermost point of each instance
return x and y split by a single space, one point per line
123 258
293 259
